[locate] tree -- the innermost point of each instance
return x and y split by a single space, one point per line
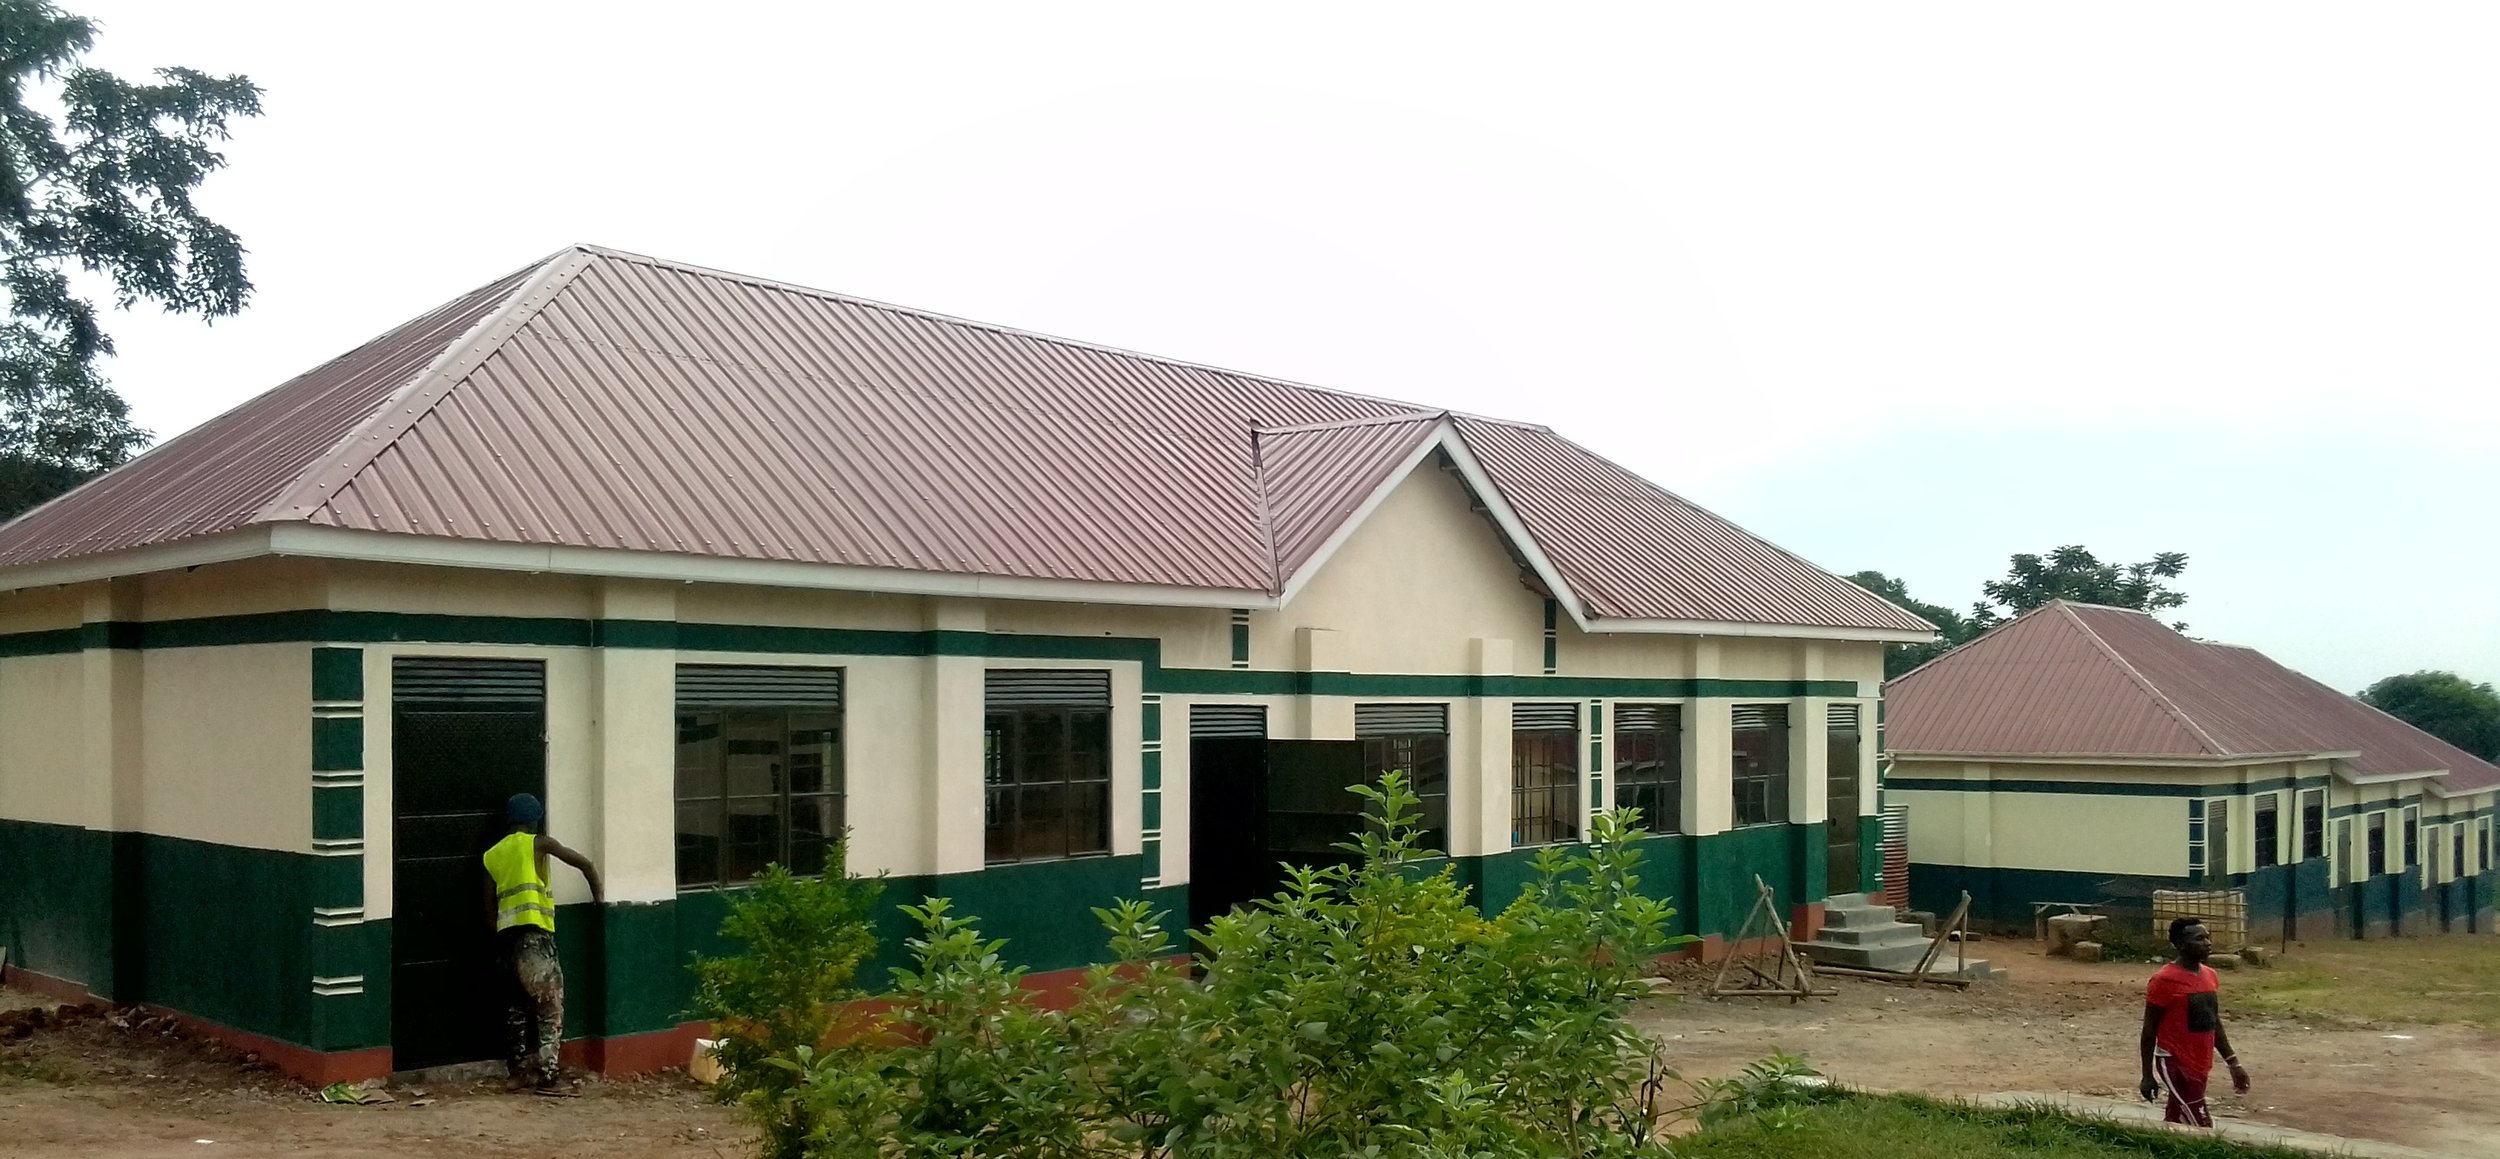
1952 629
2069 573
2072 573
2445 705
106 191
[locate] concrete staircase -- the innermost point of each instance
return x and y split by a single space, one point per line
1856 933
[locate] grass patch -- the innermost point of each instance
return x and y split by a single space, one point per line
2398 980
1855 1126
34 1070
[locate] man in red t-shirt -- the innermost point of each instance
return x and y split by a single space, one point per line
2183 1028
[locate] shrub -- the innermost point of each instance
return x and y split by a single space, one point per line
1365 1009
779 1003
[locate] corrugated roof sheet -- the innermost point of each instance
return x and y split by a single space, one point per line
1314 478
610 400
2084 681
222 474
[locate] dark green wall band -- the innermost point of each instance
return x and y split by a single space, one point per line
338 674
338 813
338 744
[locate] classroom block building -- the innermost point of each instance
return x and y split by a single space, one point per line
2092 754
724 569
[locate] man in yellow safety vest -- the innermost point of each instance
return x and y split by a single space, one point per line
524 906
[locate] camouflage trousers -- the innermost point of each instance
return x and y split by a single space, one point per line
534 1017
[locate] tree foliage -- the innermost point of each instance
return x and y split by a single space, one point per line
2445 705
2072 573
2068 573
1368 1009
106 189
1952 628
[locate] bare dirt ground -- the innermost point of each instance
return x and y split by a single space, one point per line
96 1088
93 1087
2070 1028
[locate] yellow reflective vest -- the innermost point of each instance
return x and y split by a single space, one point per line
521 897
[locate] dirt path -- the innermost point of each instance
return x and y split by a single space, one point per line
2064 1027
97 1088
2054 1027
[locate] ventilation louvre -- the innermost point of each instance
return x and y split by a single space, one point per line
1227 721
1050 687
1401 720
1545 718
1649 717
1761 716
745 686
440 682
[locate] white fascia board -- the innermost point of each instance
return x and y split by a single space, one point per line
2201 762
2386 778
1508 520
1774 631
298 539
1362 514
225 547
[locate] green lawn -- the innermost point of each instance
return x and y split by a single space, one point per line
1898 1127
2453 978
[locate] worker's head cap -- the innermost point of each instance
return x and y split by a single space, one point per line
523 809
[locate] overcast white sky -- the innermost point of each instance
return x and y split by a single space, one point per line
1901 287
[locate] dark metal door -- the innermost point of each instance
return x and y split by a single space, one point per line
1228 859
1310 805
465 736
1843 868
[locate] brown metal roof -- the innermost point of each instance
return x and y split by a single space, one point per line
609 400
1314 478
2084 681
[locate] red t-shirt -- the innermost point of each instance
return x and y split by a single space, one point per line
2190 1013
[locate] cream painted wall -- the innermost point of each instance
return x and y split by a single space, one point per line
43 609
226 745
2090 834
40 742
785 607
243 587
2078 832
373 587
1409 589
1191 637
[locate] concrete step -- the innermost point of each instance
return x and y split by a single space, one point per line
1874 935
1859 917
1846 901
1902 956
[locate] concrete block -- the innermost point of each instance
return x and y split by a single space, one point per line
2064 930
2084 951
2255 955
2224 961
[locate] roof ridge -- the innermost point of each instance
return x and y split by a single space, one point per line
998 328
322 476
2066 607
1415 416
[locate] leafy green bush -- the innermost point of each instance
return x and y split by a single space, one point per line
1364 1010
778 1004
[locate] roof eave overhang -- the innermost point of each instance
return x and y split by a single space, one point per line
174 555
2129 760
307 541
2387 778
1774 631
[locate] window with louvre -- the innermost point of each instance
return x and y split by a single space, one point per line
1413 739
1544 774
1046 773
1759 778
759 770
1649 764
